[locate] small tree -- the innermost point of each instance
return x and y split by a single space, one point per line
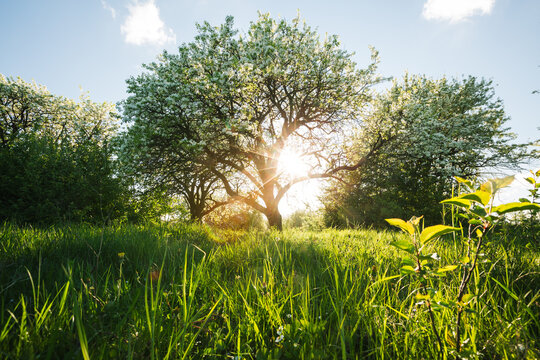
476 205
239 101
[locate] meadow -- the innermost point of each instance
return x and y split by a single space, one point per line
184 291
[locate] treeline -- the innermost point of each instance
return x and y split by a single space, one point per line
204 129
446 128
57 159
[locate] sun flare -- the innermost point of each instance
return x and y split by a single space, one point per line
291 163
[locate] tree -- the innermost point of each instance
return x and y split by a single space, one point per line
23 107
163 161
29 108
238 101
444 128
55 158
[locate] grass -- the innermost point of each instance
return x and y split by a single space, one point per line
184 291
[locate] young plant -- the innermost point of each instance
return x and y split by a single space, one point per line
420 264
480 215
534 180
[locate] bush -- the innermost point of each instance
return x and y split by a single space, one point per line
42 181
305 219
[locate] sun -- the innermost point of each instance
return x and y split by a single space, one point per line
292 164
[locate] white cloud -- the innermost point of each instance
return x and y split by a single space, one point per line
143 26
456 10
109 8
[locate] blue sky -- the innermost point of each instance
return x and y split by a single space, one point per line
97 44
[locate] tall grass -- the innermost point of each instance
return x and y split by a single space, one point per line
169 292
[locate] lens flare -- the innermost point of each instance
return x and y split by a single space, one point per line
291 163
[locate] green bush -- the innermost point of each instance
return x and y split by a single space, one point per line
42 181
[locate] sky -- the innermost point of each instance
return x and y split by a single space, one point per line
95 45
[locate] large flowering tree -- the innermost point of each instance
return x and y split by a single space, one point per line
232 103
443 128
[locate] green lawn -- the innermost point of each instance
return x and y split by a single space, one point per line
184 291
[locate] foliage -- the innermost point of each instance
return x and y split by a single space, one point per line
305 219
231 104
28 108
443 128
55 157
152 170
481 216
43 182
526 225
534 180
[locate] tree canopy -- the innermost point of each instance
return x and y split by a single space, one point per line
232 104
55 158
443 128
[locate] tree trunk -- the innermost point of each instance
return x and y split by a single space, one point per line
274 219
196 212
195 218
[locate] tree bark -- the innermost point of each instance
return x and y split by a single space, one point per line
195 213
275 219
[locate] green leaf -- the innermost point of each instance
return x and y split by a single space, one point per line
524 200
480 211
537 172
422 296
464 181
429 257
514 296
435 231
457 201
447 268
480 196
515 206
493 185
408 261
415 221
465 259
403 225
530 180
403 245
405 270
467 298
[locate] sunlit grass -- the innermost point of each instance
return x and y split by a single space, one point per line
186 292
